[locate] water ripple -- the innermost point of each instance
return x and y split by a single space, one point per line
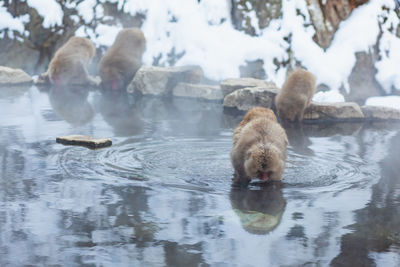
204 164
192 163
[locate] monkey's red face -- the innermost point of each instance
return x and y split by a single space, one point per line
263 163
112 80
114 85
264 175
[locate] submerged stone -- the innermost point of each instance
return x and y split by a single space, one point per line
201 91
9 76
160 81
83 140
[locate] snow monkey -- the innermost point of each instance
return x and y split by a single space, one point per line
250 115
295 95
68 66
122 60
259 149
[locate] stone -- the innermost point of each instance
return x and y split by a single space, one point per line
380 113
160 81
246 98
201 91
230 85
347 111
9 76
83 140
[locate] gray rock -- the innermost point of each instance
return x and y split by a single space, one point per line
160 81
380 113
230 85
202 91
246 98
9 76
333 111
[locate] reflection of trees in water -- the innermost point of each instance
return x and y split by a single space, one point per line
183 254
16 180
259 209
377 226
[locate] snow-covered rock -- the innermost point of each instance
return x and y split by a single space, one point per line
380 113
333 111
160 81
391 101
230 85
332 96
246 98
201 91
9 76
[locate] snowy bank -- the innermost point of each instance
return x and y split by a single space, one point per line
384 101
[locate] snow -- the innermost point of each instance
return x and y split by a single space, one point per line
391 101
85 9
332 96
10 23
50 10
387 67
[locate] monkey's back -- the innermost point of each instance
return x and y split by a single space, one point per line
253 113
70 59
295 95
261 130
125 54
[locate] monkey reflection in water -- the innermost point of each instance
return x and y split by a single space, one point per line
121 115
259 209
71 105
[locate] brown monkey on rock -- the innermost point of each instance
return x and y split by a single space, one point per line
69 64
259 148
122 60
295 95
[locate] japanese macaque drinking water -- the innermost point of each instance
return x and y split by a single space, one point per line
69 64
295 95
122 60
259 148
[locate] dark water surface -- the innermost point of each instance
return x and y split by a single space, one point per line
162 196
